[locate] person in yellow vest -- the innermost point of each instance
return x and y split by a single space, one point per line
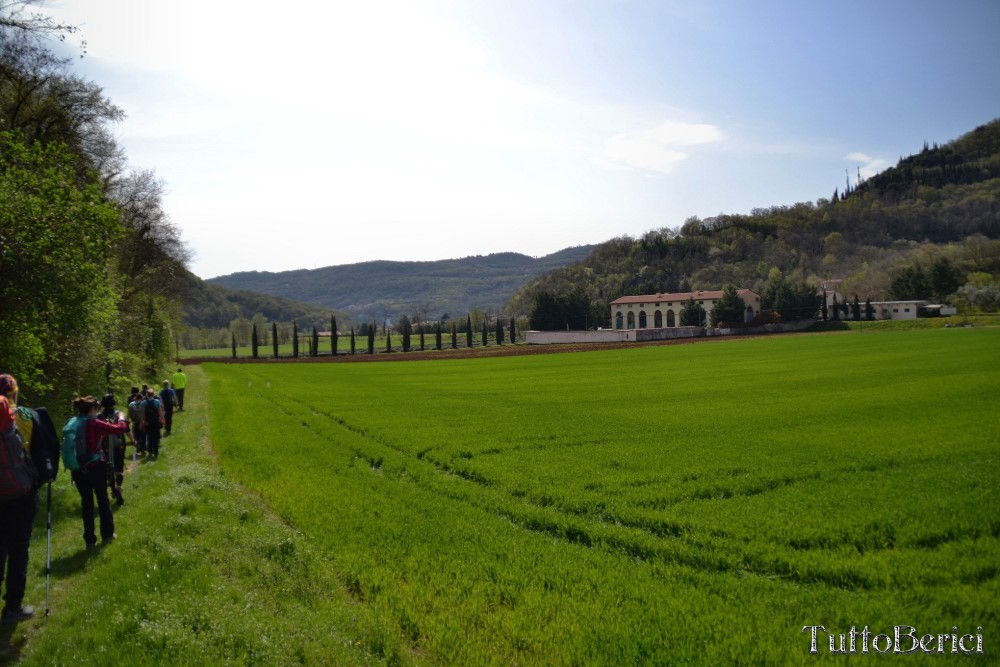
17 514
179 380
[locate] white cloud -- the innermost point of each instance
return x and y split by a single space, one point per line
868 165
658 149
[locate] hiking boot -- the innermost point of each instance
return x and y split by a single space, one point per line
119 498
12 616
109 540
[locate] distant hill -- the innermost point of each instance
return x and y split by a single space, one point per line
214 306
383 289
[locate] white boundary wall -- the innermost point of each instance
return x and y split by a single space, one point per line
640 335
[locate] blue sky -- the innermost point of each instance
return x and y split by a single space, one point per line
316 133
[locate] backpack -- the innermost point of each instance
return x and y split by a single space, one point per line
151 410
135 411
44 445
111 443
74 447
17 471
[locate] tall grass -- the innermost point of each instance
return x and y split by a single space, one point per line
697 503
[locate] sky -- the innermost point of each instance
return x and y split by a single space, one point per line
313 133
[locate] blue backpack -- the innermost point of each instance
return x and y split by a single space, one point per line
74 446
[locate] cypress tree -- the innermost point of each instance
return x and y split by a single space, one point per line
437 335
406 333
274 338
835 307
352 340
454 337
869 309
513 331
333 335
825 313
295 340
371 339
253 341
314 350
485 333
857 309
499 332
468 331
388 341
421 337
234 344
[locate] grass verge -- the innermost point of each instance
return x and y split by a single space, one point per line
202 573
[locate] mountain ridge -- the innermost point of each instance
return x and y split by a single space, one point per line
380 289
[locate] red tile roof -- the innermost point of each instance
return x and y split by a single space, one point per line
679 296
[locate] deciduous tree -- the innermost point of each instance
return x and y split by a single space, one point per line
56 243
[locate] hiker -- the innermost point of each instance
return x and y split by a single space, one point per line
168 397
91 479
152 422
179 381
17 513
113 447
135 400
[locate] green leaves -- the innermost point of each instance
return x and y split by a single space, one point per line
56 241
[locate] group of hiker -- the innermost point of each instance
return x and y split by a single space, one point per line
92 449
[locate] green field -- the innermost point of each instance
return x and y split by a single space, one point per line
680 504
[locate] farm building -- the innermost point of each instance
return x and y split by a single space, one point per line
658 311
907 310
887 310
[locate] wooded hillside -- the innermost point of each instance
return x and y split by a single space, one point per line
940 204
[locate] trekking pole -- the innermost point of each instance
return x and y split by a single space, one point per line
48 550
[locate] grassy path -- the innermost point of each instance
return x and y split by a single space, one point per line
202 573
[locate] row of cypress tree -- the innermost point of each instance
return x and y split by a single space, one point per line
500 335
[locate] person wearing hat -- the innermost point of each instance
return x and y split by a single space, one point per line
113 447
91 479
17 516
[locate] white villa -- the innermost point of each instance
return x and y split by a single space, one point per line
658 311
